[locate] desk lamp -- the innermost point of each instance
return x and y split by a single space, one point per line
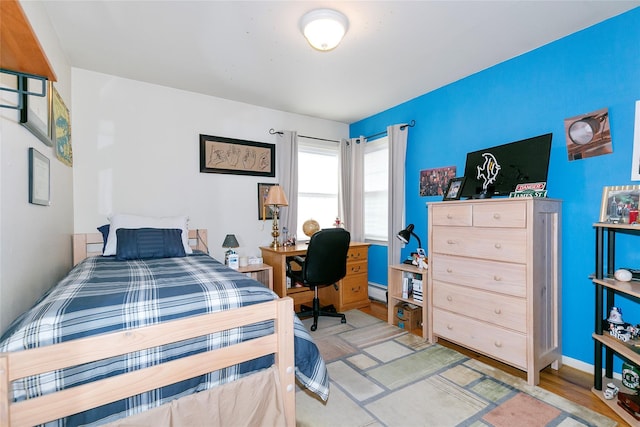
275 199
405 236
230 242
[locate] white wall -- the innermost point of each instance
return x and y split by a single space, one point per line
136 150
35 246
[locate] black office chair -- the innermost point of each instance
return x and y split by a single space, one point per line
324 265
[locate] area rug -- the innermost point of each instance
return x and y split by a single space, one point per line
384 376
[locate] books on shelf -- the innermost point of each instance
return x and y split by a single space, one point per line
407 287
417 289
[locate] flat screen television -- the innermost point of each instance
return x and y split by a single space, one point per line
497 170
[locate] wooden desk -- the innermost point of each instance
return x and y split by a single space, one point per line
353 290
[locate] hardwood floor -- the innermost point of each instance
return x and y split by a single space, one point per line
567 382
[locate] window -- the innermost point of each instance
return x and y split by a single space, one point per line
376 190
318 172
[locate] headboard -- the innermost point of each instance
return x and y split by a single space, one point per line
90 244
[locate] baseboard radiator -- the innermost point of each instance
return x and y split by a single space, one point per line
378 292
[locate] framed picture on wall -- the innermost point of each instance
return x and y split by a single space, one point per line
36 110
39 174
236 156
264 212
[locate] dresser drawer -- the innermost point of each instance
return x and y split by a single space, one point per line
354 288
357 267
495 276
502 310
458 214
489 243
508 215
499 343
357 253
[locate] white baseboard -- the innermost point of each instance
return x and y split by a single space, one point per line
378 292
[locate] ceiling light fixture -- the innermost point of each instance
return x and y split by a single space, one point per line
324 28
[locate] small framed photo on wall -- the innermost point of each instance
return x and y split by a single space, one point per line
39 173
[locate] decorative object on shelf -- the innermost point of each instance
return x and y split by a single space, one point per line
237 157
454 189
617 203
230 243
623 275
324 28
39 175
263 192
338 223
630 376
630 403
611 391
588 135
275 200
61 128
36 109
615 316
310 227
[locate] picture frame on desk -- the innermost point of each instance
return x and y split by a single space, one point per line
617 201
454 189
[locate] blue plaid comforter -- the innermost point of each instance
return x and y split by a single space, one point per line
103 295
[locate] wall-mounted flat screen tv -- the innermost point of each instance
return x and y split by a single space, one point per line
497 170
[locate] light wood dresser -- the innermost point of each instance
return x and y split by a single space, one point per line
494 269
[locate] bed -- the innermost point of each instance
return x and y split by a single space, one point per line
193 339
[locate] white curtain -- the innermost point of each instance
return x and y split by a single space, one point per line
287 176
397 153
351 195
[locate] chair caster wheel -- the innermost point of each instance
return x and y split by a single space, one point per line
343 321
314 327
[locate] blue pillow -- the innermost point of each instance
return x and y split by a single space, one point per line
104 229
149 243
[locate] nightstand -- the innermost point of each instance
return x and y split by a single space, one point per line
261 272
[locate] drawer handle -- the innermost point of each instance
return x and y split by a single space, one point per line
449 270
498 344
355 269
450 327
497 278
496 216
497 311
451 242
449 298
449 216
355 289
498 246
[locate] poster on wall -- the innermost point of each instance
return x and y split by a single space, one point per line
588 135
434 182
635 162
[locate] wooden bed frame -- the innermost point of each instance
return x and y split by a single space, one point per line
56 405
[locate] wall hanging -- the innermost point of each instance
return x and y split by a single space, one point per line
39 186
35 114
235 156
588 135
61 129
433 182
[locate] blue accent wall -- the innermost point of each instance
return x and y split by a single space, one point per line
526 96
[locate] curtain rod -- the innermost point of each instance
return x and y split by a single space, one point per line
272 131
411 124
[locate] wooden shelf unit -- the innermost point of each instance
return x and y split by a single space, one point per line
20 49
606 290
394 294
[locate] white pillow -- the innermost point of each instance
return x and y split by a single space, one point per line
135 221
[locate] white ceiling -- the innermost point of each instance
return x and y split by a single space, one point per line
253 51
